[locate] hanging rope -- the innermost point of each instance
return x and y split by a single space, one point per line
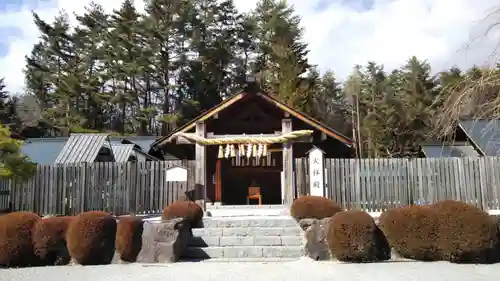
246 140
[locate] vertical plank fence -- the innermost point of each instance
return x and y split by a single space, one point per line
118 188
369 184
375 185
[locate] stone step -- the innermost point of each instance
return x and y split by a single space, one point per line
225 241
244 252
219 207
244 231
260 221
247 210
233 260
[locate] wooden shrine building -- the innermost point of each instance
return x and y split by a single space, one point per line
251 139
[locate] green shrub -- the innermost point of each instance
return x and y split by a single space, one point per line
49 240
184 209
354 237
466 233
16 248
412 232
129 238
313 207
91 238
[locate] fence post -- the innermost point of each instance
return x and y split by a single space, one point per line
483 174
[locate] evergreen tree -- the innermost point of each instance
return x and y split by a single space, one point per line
281 55
12 163
90 37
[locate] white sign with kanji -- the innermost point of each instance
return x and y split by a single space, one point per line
316 172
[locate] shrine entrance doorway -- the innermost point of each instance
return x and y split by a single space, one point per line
237 175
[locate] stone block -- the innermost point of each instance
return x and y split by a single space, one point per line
316 246
236 241
165 241
243 252
296 240
283 252
267 241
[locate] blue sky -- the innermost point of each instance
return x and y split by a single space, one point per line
9 32
340 33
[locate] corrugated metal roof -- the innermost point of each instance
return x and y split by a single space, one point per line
485 133
81 148
43 151
144 142
456 150
122 152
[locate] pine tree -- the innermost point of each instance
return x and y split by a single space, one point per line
372 110
419 93
167 33
281 55
123 52
61 71
330 104
12 163
4 95
89 36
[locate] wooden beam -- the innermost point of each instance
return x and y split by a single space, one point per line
288 196
201 162
183 140
214 136
306 139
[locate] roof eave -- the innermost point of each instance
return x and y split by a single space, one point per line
238 96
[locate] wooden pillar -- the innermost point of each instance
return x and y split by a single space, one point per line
218 181
286 127
201 163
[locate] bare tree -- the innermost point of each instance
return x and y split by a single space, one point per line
477 95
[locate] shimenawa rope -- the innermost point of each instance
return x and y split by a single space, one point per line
246 140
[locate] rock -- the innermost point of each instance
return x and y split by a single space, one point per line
164 241
315 234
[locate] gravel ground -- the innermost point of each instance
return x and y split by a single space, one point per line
271 271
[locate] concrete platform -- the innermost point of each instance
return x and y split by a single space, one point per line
246 210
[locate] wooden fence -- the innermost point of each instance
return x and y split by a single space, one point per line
368 184
139 188
377 184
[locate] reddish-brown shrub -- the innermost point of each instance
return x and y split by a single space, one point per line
313 207
412 232
354 237
91 238
49 240
466 233
184 209
129 238
16 248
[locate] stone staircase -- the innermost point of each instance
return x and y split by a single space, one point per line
246 233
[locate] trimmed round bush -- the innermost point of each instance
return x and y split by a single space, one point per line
412 232
354 237
91 238
313 207
129 238
16 248
466 233
184 209
49 240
